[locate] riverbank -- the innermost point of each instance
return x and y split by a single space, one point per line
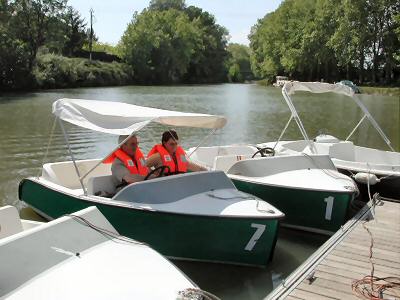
385 91
56 71
369 90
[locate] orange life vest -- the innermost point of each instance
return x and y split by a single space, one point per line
140 169
181 163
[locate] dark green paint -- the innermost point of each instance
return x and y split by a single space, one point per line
301 207
175 235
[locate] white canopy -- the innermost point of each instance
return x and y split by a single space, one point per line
123 119
317 87
291 87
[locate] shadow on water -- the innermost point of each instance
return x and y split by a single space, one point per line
239 282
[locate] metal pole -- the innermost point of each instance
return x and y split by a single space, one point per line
283 131
96 165
202 141
373 122
355 128
91 34
296 117
72 156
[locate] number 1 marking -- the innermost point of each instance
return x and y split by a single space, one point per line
252 242
329 207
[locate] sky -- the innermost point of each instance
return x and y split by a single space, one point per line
112 17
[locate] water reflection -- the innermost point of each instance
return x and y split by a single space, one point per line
238 282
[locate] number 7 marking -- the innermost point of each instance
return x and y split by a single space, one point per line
252 242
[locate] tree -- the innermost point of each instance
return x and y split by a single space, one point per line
341 37
208 64
159 45
168 45
74 31
32 20
14 64
239 63
167 4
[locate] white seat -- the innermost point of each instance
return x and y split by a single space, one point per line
10 222
225 162
101 184
343 151
64 173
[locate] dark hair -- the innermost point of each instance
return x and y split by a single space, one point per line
168 135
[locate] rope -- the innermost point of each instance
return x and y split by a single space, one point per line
48 146
189 293
329 172
229 198
115 237
372 287
193 293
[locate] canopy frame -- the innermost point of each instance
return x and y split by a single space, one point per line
292 86
133 132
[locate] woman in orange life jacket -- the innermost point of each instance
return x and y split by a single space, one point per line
170 154
128 163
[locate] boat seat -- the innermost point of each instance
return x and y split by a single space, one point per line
10 222
225 162
101 184
265 166
343 151
64 173
173 188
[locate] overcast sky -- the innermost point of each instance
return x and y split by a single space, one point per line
112 17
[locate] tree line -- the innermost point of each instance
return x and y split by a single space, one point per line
331 40
169 42
25 27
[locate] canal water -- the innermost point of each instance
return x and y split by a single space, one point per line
255 114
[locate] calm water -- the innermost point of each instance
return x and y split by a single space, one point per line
255 114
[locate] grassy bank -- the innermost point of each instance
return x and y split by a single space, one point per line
56 71
387 91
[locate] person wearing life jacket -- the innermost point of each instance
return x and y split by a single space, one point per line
128 162
170 154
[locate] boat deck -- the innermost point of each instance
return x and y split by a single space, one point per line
332 271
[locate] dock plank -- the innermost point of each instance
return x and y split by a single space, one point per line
345 257
365 258
309 296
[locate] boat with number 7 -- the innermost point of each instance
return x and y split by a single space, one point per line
195 216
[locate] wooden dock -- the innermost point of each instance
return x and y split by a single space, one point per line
332 271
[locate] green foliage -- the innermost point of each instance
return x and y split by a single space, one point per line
74 32
311 40
14 63
238 63
169 45
56 71
167 4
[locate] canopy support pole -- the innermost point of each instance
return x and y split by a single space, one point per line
296 117
283 131
72 156
202 141
355 128
373 122
101 161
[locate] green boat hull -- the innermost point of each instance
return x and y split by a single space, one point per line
311 210
181 236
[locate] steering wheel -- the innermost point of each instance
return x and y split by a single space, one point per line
267 151
161 174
